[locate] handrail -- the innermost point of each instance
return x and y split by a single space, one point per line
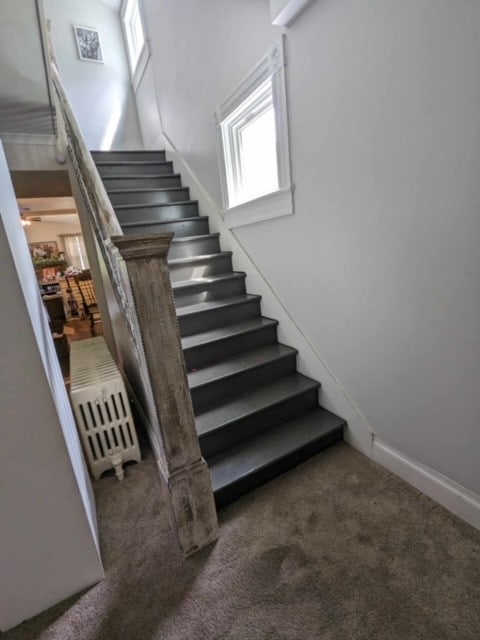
138 271
72 139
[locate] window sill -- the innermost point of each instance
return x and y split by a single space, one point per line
272 205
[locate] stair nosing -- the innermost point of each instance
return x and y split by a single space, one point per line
134 162
199 237
200 258
272 323
267 463
314 384
219 277
288 354
237 300
144 224
146 190
133 176
145 205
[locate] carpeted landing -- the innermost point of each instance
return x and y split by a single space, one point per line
336 549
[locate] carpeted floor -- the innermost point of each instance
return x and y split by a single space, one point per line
336 549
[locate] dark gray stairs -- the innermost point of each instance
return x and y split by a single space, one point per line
256 416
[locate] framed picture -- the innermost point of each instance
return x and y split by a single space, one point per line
46 250
88 44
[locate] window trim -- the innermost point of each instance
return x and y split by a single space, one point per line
279 202
137 71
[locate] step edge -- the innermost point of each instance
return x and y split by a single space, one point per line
229 336
146 190
289 396
199 258
292 353
203 236
181 285
144 205
251 298
144 224
325 434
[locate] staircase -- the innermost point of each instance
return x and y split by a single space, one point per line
256 416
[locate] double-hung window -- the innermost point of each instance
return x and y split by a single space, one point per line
253 145
137 45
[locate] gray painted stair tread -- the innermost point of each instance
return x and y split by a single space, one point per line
193 259
134 176
241 362
143 205
258 452
155 222
193 282
212 304
254 401
134 162
145 190
228 331
199 237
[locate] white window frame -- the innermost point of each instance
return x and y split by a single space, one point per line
279 202
137 67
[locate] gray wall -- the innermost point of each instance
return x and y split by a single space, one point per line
100 94
24 100
379 264
49 542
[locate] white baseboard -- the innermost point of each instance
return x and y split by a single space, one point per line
463 503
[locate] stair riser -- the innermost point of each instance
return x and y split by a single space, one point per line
208 395
259 477
206 292
233 433
149 197
211 319
194 247
201 268
157 213
123 156
200 356
155 182
178 227
133 169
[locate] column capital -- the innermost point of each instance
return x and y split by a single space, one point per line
138 247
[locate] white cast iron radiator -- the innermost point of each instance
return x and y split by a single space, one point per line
101 408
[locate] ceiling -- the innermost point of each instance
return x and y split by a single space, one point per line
60 210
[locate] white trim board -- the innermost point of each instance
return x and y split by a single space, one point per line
454 497
284 12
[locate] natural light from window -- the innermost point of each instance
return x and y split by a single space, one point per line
258 156
249 136
134 32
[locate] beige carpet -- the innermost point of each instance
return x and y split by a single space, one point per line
337 549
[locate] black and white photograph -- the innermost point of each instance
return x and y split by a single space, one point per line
88 44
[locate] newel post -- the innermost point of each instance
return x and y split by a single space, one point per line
185 475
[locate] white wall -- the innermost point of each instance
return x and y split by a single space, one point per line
45 231
49 542
379 264
100 94
24 99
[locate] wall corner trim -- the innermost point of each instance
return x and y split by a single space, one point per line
454 497
283 16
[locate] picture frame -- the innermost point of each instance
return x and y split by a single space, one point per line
88 44
45 249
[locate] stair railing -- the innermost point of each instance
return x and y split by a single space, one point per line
138 271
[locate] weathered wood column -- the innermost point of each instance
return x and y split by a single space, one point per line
185 475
